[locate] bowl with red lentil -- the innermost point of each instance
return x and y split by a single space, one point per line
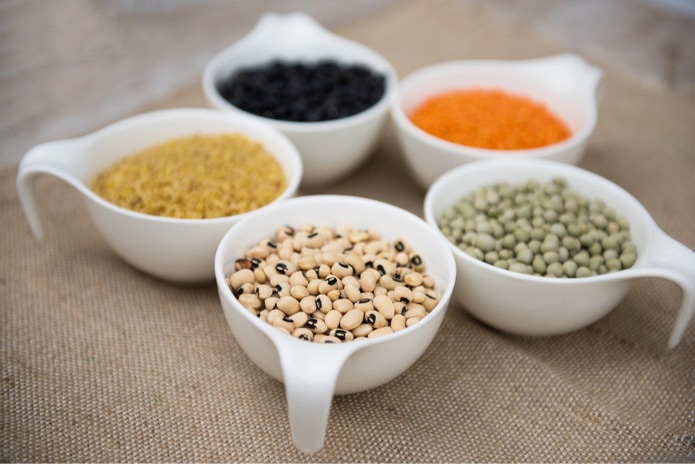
545 248
453 113
163 187
328 94
332 295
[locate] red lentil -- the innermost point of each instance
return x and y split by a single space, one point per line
489 118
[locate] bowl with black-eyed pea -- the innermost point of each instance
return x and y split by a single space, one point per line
546 248
333 295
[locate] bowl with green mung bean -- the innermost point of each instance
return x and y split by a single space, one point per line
545 248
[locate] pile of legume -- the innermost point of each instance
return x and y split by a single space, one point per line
333 285
297 91
540 229
490 119
198 176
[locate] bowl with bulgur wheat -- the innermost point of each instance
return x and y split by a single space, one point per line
163 187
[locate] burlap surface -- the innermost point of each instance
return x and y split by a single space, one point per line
103 363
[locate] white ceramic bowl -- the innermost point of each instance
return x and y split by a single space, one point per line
537 306
180 250
314 372
330 149
564 83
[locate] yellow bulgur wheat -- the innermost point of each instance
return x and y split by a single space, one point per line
198 176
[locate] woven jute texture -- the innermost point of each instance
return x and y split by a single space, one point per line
102 363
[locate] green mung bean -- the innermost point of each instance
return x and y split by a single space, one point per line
544 229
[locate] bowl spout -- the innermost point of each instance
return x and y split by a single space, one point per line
62 159
310 372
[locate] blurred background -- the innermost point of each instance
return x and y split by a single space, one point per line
72 66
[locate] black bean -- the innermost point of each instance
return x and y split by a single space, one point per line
296 91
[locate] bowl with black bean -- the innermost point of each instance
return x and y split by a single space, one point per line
545 248
332 295
328 94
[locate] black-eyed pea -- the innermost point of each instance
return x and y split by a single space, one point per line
308 304
319 315
402 259
288 305
412 321
398 322
286 323
364 304
313 286
285 267
414 279
368 260
240 277
278 278
414 310
427 281
343 305
285 254
275 314
352 319
259 276
316 325
324 304
354 260
264 291
375 247
263 315
362 330
297 278
323 271
352 292
282 289
342 335
380 291
398 307
312 274
431 300
283 330
403 294
387 282
315 240
250 301
272 259
358 235
419 296
307 262
285 232
333 318
299 239
368 281
385 266
350 280
416 262
323 338
380 332
303 333
341 269
269 271
334 294
246 288
332 247
375 319
298 319
271 302
330 282
298 292
384 305
257 252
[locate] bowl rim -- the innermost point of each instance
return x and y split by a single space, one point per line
567 170
436 70
193 113
221 261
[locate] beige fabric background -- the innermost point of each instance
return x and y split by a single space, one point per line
103 363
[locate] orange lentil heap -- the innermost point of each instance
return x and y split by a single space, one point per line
194 177
491 119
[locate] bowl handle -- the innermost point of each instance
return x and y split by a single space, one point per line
669 259
310 372
61 159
